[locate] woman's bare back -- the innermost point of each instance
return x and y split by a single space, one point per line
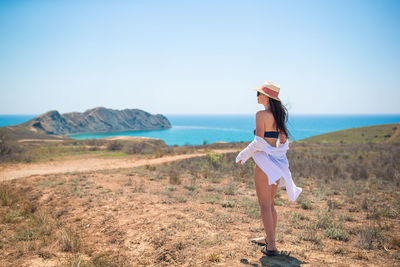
265 122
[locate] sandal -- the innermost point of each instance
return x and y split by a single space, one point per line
268 252
261 241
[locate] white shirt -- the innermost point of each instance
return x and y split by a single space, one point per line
274 163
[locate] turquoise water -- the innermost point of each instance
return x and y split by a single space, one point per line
199 129
6 120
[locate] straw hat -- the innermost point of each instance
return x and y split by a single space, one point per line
270 89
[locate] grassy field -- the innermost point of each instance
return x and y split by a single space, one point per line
203 211
38 150
365 135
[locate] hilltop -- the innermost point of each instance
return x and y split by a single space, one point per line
360 135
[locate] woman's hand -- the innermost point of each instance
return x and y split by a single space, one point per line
239 162
282 138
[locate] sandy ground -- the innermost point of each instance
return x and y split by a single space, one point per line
145 221
144 224
15 171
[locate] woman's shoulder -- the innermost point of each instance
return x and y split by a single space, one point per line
263 114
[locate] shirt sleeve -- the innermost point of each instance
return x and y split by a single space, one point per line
248 152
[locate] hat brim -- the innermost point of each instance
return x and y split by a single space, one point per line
262 92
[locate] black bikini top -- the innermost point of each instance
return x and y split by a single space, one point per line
270 134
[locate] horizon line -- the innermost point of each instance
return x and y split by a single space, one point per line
203 114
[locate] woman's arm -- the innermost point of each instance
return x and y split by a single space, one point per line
246 153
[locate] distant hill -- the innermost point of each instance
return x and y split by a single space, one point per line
54 125
370 134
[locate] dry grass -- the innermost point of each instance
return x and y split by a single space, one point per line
204 211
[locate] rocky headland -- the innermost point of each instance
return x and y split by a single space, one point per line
99 119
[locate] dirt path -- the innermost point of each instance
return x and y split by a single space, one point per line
21 170
396 133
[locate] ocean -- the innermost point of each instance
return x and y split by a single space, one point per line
201 129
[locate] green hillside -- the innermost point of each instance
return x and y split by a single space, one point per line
369 134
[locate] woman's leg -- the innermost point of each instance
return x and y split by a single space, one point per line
265 193
274 214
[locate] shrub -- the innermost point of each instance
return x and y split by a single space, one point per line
134 148
8 195
174 176
69 241
359 172
336 232
332 205
214 258
228 203
324 221
365 204
311 236
215 159
296 216
368 236
26 235
346 217
190 187
104 259
10 149
5 143
114 145
230 189
306 204
250 207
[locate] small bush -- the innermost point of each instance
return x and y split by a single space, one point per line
337 233
250 207
134 148
332 205
209 188
10 149
114 145
104 260
215 159
150 167
369 236
296 217
214 257
339 251
5 143
324 221
12 217
354 209
7 195
174 176
305 204
230 189
69 241
228 203
311 236
26 235
346 217
365 204
190 187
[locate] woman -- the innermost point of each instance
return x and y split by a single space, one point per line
271 162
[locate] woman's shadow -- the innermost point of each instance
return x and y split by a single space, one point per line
282 259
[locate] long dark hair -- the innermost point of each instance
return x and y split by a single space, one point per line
280 114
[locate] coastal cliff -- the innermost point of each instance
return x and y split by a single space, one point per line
99 119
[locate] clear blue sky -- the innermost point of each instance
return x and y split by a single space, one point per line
186 57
